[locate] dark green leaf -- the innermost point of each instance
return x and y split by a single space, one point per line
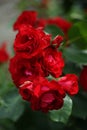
6 124
71 68
54 30
11 106
63 114
79 107
76 56
78 35
5 80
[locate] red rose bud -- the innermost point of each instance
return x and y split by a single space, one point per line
26 17
69 83
57 40
4 56
83 78
26 90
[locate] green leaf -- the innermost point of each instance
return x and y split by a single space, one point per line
63 114
54 30
75 55
5 80
78 35
6 124
11 106
71 68
77 12
79 107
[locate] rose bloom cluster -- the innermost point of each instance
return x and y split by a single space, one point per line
36 58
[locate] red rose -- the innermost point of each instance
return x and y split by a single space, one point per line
4 56
69 83
61 23
83 78
30 41
52 61
23 70
27 17
57 41
26 90
47 96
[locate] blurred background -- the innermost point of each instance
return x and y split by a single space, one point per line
15 114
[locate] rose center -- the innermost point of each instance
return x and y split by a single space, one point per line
28 73
26 38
